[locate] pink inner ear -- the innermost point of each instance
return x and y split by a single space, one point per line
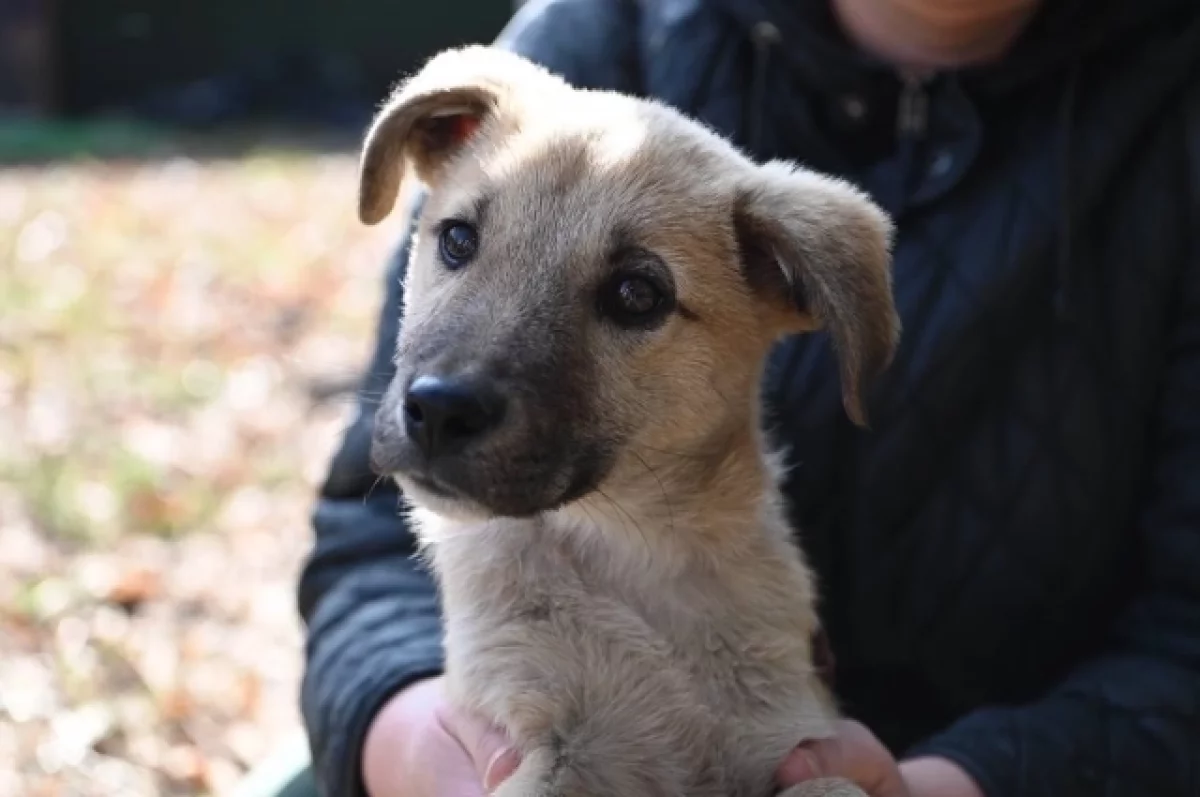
462 127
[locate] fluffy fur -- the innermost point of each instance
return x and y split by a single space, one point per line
620 587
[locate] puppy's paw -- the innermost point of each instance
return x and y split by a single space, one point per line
824 787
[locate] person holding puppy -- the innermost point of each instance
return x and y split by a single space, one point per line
1009 558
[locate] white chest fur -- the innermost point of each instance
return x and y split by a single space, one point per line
627 669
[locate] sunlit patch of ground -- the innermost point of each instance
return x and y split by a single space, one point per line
162 327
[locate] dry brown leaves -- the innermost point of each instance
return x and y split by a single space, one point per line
160 327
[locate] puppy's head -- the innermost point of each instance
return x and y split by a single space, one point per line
595 279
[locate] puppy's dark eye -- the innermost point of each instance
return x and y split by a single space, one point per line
633 300
637 296
457 244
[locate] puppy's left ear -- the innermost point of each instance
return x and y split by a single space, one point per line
820 249
436 112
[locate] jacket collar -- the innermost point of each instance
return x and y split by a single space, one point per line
1061 34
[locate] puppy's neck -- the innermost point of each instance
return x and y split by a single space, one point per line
711 504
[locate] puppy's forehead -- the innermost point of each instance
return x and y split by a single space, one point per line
612 165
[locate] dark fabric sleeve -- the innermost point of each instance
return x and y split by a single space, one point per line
1127 723
371 611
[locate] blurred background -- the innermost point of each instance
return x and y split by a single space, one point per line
186 300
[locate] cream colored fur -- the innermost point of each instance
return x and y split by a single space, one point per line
654 636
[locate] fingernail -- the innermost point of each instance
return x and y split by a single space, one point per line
498 769
811 763
801 765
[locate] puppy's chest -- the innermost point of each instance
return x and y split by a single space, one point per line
555 641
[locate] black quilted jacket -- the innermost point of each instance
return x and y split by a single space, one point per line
1010 559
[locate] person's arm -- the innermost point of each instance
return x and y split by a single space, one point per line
1128 722
371 612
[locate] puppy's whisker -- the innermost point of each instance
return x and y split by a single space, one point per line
583 504
378 480
608 513
662 488
700 455
628 514
724 400
371 395
350 401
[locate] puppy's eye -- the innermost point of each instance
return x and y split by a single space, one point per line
457 244
637 296
633 300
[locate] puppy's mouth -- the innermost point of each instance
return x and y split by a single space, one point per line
490 488
521 495
431 486
528 464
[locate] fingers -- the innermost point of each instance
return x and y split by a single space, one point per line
852 753
502 765
804 763
420 746
842 754
489 749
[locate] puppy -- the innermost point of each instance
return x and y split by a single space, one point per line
595 283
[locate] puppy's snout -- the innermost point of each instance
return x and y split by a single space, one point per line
444 414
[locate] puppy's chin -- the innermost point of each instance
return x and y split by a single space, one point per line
445 504
521 495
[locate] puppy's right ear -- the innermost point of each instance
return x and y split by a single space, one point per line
821 249
430 117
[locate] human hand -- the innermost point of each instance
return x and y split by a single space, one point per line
856 754
421 746
852 753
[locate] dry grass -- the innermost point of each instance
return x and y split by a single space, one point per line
161 326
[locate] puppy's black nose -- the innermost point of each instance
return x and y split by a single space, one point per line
443 415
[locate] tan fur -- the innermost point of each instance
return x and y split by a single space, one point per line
652 637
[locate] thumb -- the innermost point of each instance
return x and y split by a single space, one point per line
487 745
811 760
501 764
852 752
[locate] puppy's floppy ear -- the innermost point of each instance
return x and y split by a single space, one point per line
822 248
431 115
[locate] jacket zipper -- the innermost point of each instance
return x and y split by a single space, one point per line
912 114
912 123
764 35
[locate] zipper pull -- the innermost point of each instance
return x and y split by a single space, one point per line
764 35
912 112
912 119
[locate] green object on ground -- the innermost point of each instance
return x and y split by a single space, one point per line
302 785
26 140
284 773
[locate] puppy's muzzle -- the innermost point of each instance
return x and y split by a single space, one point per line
444 415
497 443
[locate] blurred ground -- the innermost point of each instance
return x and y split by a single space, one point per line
167 331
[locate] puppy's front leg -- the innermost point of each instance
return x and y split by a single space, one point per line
825 787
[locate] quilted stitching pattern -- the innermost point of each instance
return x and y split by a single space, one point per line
1010 559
